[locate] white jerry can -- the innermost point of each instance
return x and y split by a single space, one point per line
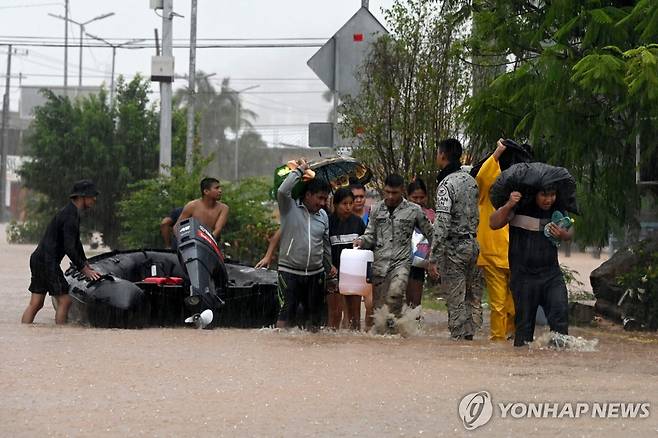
354 276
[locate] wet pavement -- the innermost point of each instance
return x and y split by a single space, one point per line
76 381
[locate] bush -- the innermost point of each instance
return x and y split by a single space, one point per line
39 214
24 232
250 221
249 224
641 285
149 200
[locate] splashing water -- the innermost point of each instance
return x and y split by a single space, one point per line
560 342
406 325
384 324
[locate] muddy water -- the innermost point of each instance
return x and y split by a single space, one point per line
74 381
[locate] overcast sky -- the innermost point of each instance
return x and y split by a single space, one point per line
275 70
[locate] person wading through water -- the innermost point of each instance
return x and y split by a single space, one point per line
62 237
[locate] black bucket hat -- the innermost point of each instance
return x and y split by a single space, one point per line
84 187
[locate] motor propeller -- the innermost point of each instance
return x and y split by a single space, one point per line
201 320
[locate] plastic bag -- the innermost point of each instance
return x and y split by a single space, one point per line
530 178
420 248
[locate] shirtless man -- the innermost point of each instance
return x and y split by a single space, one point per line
208 209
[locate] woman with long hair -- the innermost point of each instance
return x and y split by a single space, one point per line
344 228
417 193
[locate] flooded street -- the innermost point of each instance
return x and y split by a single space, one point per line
74 381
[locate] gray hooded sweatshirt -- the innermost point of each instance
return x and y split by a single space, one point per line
305 248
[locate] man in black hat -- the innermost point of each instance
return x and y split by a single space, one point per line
62 237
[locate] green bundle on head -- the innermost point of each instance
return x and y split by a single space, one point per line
280 174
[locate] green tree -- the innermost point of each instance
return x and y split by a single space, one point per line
216 112
179 137
88 138
411 85
581 86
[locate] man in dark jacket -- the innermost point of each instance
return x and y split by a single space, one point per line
62 237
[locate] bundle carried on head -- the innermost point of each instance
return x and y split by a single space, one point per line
308 174
336 171
531 178
514 153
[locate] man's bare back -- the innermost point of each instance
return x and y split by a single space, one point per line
208 210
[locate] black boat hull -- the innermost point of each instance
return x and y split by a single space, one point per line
126 297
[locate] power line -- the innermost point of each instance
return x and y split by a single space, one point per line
272 92
284 105
51 65
57 38
276 125
54 75
175 46
287 108
266 79
132 75
35 5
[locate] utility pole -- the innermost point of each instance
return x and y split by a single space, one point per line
237 134
191 99
3 138
237 126
335 95
114 58
165 90
66 47
82 31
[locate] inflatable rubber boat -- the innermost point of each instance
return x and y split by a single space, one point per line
156 287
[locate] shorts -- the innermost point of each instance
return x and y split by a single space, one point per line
47 278
301 291
416 273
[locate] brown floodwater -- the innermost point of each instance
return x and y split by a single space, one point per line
76 381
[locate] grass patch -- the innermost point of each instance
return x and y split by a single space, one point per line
432 298
434 303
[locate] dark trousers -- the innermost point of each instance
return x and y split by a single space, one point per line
301 298
531 290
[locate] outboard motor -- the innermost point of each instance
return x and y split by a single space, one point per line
203 262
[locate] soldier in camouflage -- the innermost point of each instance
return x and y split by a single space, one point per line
391 225
455 249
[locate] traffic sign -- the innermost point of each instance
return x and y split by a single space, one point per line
321 135
337 62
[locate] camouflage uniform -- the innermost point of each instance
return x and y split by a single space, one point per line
455 251
389 235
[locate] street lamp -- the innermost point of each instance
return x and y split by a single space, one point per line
114 54
237 124
82 31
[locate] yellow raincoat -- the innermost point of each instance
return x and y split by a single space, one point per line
493 256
